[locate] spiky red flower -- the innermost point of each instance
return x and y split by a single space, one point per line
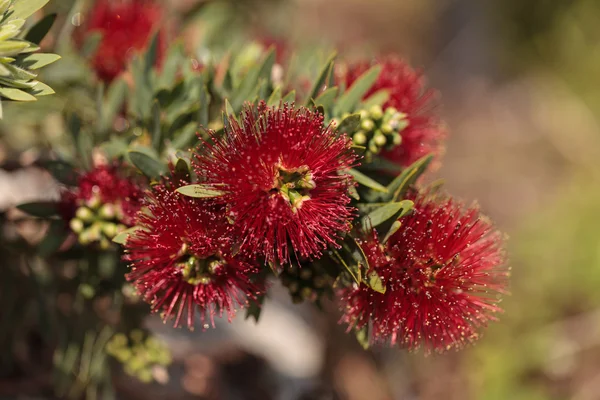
126 27
408 94
181 259
102 185
444 270
281 172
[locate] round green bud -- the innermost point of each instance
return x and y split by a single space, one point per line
386 129
391 111
84 214
76 225
376 112
87 291
107 211
94 202
359 138
306 293
363 114
305 273
367 124
373 148
379 139
109 229
104 244
396 139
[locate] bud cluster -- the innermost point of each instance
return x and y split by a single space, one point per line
310 281
379 130
142 356
97 222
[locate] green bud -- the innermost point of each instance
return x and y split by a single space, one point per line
386 129
396 139
137 335
373 148
76 225
376 112
307 293
367 124
84 214
104 244
359 138
109 229
94 202
379 139
87 291
107 211
145 375
95 231
123 355
391 110
363 114
119 339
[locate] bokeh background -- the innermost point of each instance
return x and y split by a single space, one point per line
520 93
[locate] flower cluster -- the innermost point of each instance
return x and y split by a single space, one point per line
103 204
421 134
444 270
126 27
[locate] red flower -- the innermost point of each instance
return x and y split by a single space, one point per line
280 171
105 184
444 270
181 259
126 26
423 135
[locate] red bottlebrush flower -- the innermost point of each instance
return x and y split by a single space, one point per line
443 269
181 259
103 204
423 135
280 171
126 26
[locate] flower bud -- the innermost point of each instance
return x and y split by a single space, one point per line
76 225
367 124
359 138
107 211
376 112
84 214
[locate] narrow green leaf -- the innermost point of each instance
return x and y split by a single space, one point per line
114 148
90 44
42 209
37 33
383 213
26 8
366 181
321 79
38 60
251 82
290 97
229 110
203 114
62 171
113 104
376 99
408 177
182 170
122 237
374 282
327 98
393 229
151 55
147 164
275 97
155 128
54 238
354 271
200 191
349 124
16 94
362 336
41 89
348 101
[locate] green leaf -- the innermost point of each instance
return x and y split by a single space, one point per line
393 229
326 98
383 213
182 170
366 181
255 308
62 171
38 60
151 55
37 32
321 79
54 238
348 101
408 177
275 97
203 113
16 94
26 8
200 191
376 99
155 127
353 270
250 84
229 110
374 282
42 209
41 89
90 44
149 165
114 148
290 97
122 237
362 336
349 124
113 104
